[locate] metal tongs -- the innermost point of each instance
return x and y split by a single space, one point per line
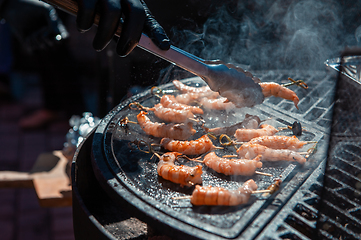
233 83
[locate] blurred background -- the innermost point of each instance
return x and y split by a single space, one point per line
42 85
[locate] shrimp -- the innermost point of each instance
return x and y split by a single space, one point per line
277 90
171 114
169 101
279 142
217 196
186 89
217 104
250 151
181 174
244 135
175 131
187 98
226 166
249 122
194 147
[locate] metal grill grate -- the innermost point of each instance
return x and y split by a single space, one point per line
340 208
340 214
298 218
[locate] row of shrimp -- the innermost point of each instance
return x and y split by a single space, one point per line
179 117
202 195
263 143
177 110
212 100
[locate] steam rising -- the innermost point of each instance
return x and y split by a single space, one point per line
276 34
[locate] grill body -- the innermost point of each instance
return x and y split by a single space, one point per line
292 213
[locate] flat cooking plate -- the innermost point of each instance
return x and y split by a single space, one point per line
127 173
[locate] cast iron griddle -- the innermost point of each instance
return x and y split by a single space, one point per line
127 173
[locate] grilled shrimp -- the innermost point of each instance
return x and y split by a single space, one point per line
171 114
187 98
194 147
249 122
216 103
244 135
180 131
250 151
184 175
277 90
231 166
279 142
220 196
169 101
186 89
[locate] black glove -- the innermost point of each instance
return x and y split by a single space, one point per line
137 18
35 24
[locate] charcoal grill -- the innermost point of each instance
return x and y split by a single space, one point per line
108 190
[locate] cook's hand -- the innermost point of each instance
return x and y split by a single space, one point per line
35 24
137 18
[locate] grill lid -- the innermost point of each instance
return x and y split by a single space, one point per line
127 173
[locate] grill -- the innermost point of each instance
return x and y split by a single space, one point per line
340 208
104 200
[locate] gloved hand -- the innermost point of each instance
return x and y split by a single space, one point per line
137 18
34 23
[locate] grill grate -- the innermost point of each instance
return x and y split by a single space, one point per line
340 214
298 218
340 211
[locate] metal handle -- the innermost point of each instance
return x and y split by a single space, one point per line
174 55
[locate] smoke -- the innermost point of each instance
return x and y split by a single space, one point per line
275 34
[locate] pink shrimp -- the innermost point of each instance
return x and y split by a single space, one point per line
218 196
187 98
217 103
175 131
186 89
279 142
171 114
226 166
244 135
181 174
169 101
249 122
277 90
250 151
194 147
